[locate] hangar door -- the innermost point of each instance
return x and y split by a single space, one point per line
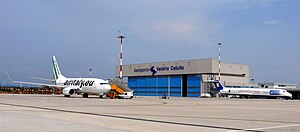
156 85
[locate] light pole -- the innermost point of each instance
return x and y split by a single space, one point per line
90 72
121 37
219 43
243 78
219 67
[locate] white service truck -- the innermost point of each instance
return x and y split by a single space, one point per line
125 95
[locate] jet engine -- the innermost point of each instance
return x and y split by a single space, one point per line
69 91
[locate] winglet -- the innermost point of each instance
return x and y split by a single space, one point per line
9 77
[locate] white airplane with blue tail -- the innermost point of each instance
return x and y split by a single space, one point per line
251 92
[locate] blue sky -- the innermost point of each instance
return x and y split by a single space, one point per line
83 34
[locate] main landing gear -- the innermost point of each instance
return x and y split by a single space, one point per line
85 95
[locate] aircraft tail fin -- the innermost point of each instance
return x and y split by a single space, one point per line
56 72
9 78
218 85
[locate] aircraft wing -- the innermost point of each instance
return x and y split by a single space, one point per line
44 79
39 84
33 83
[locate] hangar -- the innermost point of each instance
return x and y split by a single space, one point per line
183 78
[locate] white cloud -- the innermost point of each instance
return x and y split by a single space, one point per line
244 7
174 28
190 29
272 22
248 4
267 3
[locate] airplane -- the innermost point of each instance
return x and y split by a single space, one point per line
252 92
72 86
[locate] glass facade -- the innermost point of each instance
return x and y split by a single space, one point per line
165 85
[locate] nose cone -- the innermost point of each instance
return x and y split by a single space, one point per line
288 94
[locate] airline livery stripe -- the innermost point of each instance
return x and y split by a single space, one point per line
54 68
79 83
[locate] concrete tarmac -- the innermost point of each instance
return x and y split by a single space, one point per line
55 113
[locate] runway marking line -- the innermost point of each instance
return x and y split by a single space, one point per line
212 118
264 128
132 118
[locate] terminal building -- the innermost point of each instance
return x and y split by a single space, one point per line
184 78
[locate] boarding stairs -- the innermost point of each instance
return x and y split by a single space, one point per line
117 88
